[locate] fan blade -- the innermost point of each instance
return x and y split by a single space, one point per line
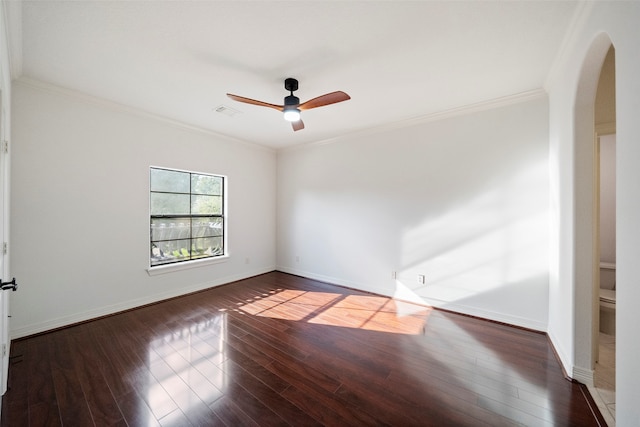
255 102
299 125
326 99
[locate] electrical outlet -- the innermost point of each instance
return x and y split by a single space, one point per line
421 279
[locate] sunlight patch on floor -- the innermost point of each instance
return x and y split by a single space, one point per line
374 313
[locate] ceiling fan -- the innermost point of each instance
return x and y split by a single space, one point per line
292 105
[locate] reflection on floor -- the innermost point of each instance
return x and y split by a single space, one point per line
282 350
604 392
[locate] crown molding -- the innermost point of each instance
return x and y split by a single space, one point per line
433 117
114 106
401 124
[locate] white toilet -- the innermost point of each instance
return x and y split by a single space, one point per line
608 311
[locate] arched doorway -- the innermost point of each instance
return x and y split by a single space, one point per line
586 218
603 390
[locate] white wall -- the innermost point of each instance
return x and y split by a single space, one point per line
608 199
571 89
80 185
462 200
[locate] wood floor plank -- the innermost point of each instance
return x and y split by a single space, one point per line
250 405
323 410
16 406
40 414
196 410
176 418
256 362
87 365
231 414
282 350
136 411
326 407
43 402
74 408
286 410
196 381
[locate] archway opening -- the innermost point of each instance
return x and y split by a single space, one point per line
605 295
587 202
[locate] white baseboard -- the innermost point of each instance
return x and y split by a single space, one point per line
37 328
331 280
585 376
490 315
458 308
582 375
565 360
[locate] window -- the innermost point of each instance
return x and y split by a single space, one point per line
187 216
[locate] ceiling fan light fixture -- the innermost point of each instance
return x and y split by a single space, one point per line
292 114
292 105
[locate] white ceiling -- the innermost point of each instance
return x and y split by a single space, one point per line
397 59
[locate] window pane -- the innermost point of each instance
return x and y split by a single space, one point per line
169 204
169 181
170 228
211 205
207 227
169 251
206 247
206 184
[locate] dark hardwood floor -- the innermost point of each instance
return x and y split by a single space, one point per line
278 349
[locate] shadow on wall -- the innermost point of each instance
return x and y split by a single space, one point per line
491 249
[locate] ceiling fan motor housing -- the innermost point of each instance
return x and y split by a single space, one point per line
291 101
291 84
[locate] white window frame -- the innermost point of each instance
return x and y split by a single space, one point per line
201 262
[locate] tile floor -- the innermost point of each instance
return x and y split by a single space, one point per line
604 390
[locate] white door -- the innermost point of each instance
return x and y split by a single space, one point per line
4 231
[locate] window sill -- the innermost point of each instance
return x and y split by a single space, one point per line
187 265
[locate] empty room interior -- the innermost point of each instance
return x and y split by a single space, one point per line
383 188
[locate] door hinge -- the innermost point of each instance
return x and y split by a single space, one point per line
4 350
5 248
5 147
